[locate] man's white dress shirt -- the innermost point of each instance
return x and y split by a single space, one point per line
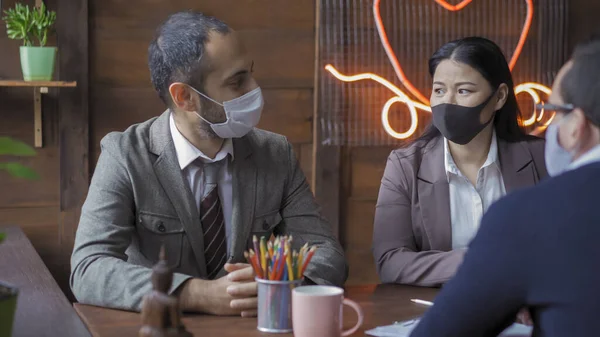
191 160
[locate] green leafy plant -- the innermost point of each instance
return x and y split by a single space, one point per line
29 24
11 147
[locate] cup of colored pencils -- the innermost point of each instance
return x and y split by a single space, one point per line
278 269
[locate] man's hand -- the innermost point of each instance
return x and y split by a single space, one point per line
232 294
244 288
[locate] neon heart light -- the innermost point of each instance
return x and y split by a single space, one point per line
423 103
394 60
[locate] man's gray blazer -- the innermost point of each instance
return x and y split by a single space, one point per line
139 200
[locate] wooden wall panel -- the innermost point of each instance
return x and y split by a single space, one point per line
279 35
40 193
32 205
252 14
73 126
288 112
16 115
583 20
362 169
357 238
40 226
368 164
280 57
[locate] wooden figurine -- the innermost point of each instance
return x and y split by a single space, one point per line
161 316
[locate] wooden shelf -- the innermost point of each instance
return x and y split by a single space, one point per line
19 83
39 88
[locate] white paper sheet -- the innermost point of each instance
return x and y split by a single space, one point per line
403 329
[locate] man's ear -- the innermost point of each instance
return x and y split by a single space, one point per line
502 96
577 124
182 97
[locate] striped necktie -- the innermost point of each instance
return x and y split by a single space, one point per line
213 222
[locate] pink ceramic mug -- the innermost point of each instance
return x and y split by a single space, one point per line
317 312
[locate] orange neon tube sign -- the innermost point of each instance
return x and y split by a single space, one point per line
422 102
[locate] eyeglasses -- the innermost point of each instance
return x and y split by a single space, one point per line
566 108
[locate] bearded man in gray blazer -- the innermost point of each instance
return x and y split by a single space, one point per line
199 179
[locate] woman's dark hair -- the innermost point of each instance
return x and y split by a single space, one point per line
486 57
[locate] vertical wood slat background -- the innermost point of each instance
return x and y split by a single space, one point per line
350 112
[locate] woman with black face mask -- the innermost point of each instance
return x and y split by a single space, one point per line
435 191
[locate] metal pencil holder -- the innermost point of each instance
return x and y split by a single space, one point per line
275 305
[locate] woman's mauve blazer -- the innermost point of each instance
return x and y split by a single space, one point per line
412 236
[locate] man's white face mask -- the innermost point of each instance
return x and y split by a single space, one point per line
556 157
243 114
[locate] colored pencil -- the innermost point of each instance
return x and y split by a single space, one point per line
270 249
276 244
295 265
288 261
274 259
280 267
255 244
418 301
302 253
257 252
274 266
259 271
311 252
263 254
281 247
250 259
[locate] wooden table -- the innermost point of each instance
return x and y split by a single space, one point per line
42 308
382 305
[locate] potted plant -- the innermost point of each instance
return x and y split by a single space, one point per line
32 25
8 293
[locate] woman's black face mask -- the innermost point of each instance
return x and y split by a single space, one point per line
459 124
